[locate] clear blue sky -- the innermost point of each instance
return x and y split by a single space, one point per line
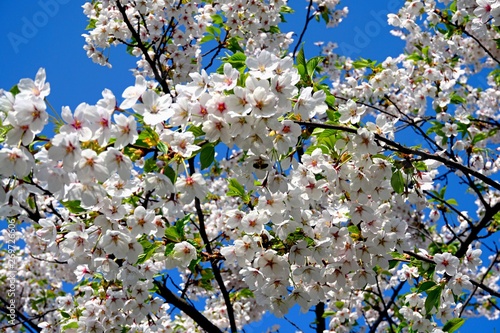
47 33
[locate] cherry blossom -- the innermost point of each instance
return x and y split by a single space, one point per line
239 176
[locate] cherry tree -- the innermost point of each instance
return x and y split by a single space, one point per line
364 192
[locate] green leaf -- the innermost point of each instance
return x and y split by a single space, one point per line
237 60
70 325
286 10
353 229
414 57
479 137
217 19
147 138
212 29
207 155
328 313
301 59
312 65
170 173
207 38
91 24
172 235
169 248
162 147
274 29
456 99
237 190
433 298
310 149
302 71
364 63
196 130
233 44
453 325
73 206
497 40
330 101
452 202
14 90
398 182
426 285
150 165
148 251
65 314
181 223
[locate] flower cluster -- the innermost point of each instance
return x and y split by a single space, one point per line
316 202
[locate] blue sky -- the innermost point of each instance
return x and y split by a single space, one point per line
47 33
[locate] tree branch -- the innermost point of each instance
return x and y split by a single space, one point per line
185 307
215 267
383 314
319 310
394 146
161 80
23 320
306 24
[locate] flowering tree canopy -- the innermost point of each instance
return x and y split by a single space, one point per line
364 192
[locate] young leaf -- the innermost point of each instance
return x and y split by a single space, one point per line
207 155
453 325
73 206
148 251
398 182
312 65
433 297
426 286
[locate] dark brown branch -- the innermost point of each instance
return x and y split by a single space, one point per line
481 285
474 282
394 146
158 76
309 18
23 320
462 29
442 201
384 314
319 311
488 216
215 267
185 307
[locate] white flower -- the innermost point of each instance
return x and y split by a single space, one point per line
228 80
78 122
142 221
154 109
116 242
446 262
350 112
191 187
183 253
37 88
115 160
15 161
91 166
459 283
125 130
310 104
65 148
132 94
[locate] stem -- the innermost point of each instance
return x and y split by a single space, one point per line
394 146
306 24
383 314
320 321
185 307
215 267
143 49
